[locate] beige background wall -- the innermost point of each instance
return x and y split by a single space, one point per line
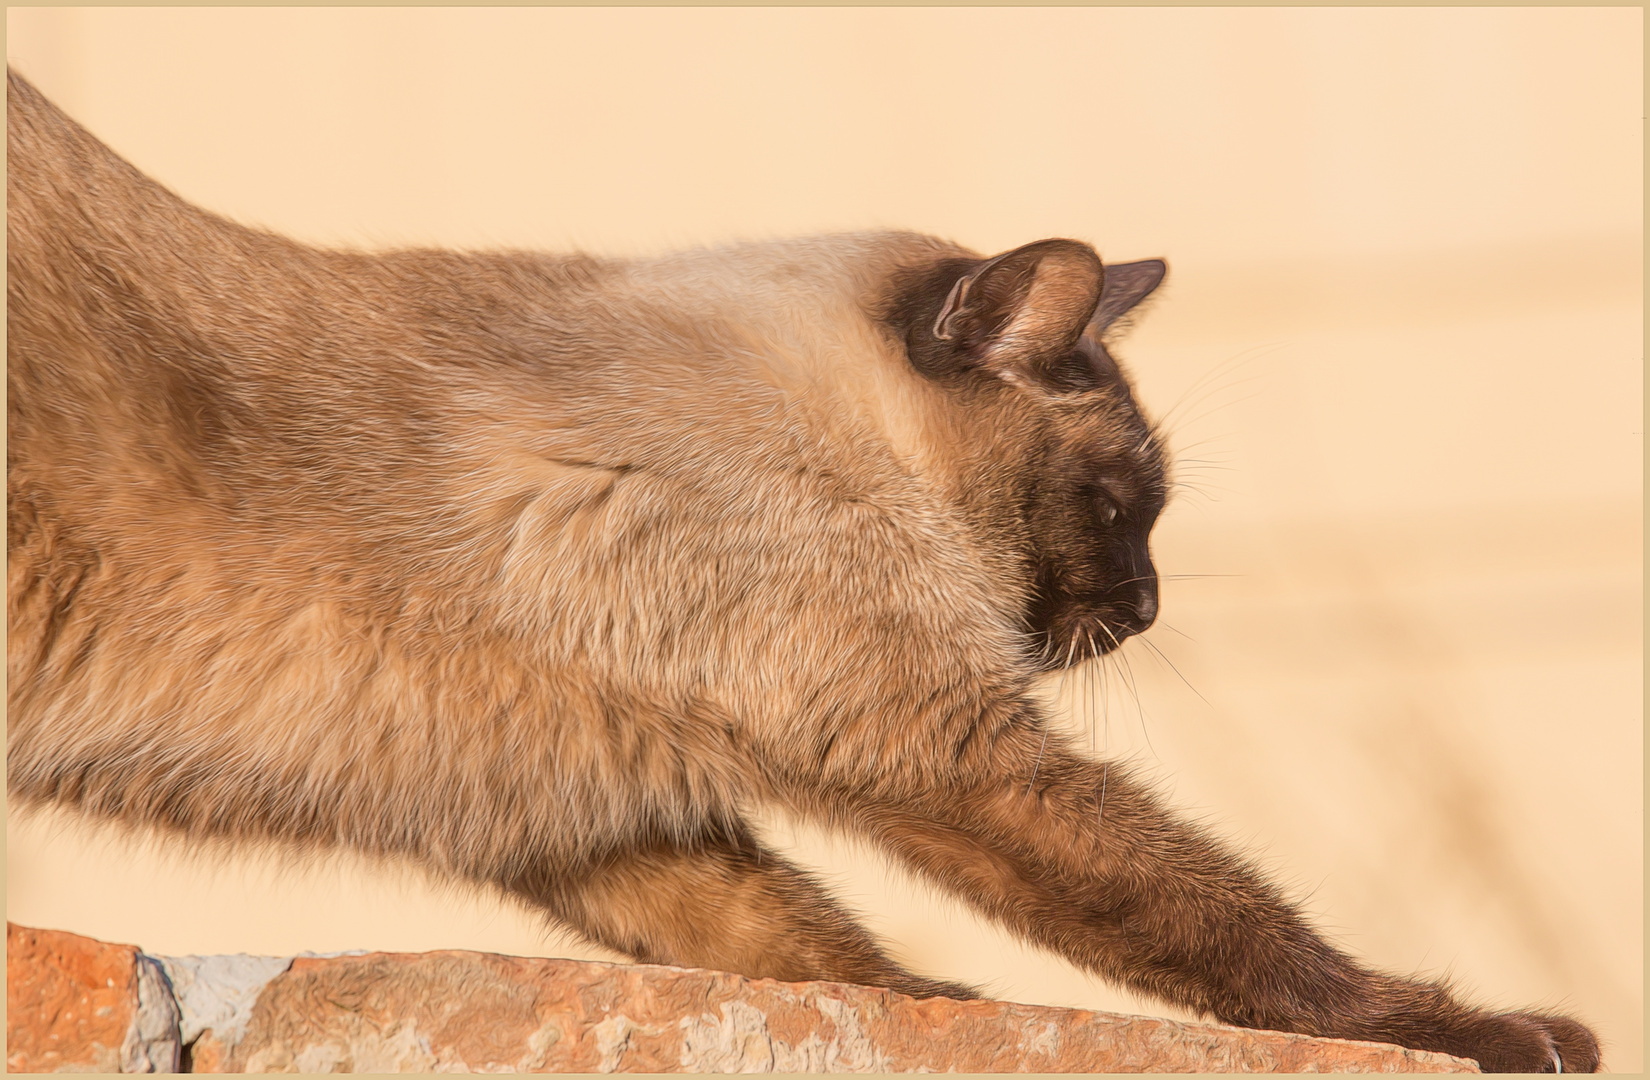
1400 349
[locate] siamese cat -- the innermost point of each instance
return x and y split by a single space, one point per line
542 571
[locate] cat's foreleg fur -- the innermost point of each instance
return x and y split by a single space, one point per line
723 901
1135 894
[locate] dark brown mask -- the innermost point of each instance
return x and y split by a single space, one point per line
1031 323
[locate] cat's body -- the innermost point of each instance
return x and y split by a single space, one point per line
541 571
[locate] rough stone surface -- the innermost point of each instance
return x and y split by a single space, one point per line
218 992
450 1011
74 1004
79 1005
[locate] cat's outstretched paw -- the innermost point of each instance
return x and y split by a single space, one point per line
1529 1043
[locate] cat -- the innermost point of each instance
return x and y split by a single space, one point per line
542 571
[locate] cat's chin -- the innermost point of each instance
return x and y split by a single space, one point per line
1081 638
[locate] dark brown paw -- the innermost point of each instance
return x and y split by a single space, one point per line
1529 1043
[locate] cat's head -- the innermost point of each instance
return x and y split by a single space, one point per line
1074 472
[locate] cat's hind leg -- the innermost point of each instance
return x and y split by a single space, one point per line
721 901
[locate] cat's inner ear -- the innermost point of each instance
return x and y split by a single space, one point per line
1023 311
1126 285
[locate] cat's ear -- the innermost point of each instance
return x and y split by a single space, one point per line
1022 311
1126 285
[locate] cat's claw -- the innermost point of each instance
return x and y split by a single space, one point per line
1562 1045
1508 1042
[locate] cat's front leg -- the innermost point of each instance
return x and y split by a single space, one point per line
717 900
1077 857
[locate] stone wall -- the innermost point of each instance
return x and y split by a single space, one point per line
75 1004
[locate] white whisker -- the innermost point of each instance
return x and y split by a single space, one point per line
1162 656
1059 692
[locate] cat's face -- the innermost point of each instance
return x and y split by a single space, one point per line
1093 499
1087 478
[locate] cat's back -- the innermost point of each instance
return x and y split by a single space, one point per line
153 341
191 399
170 371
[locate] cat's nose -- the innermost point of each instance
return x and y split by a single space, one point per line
1145 605
1141 607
